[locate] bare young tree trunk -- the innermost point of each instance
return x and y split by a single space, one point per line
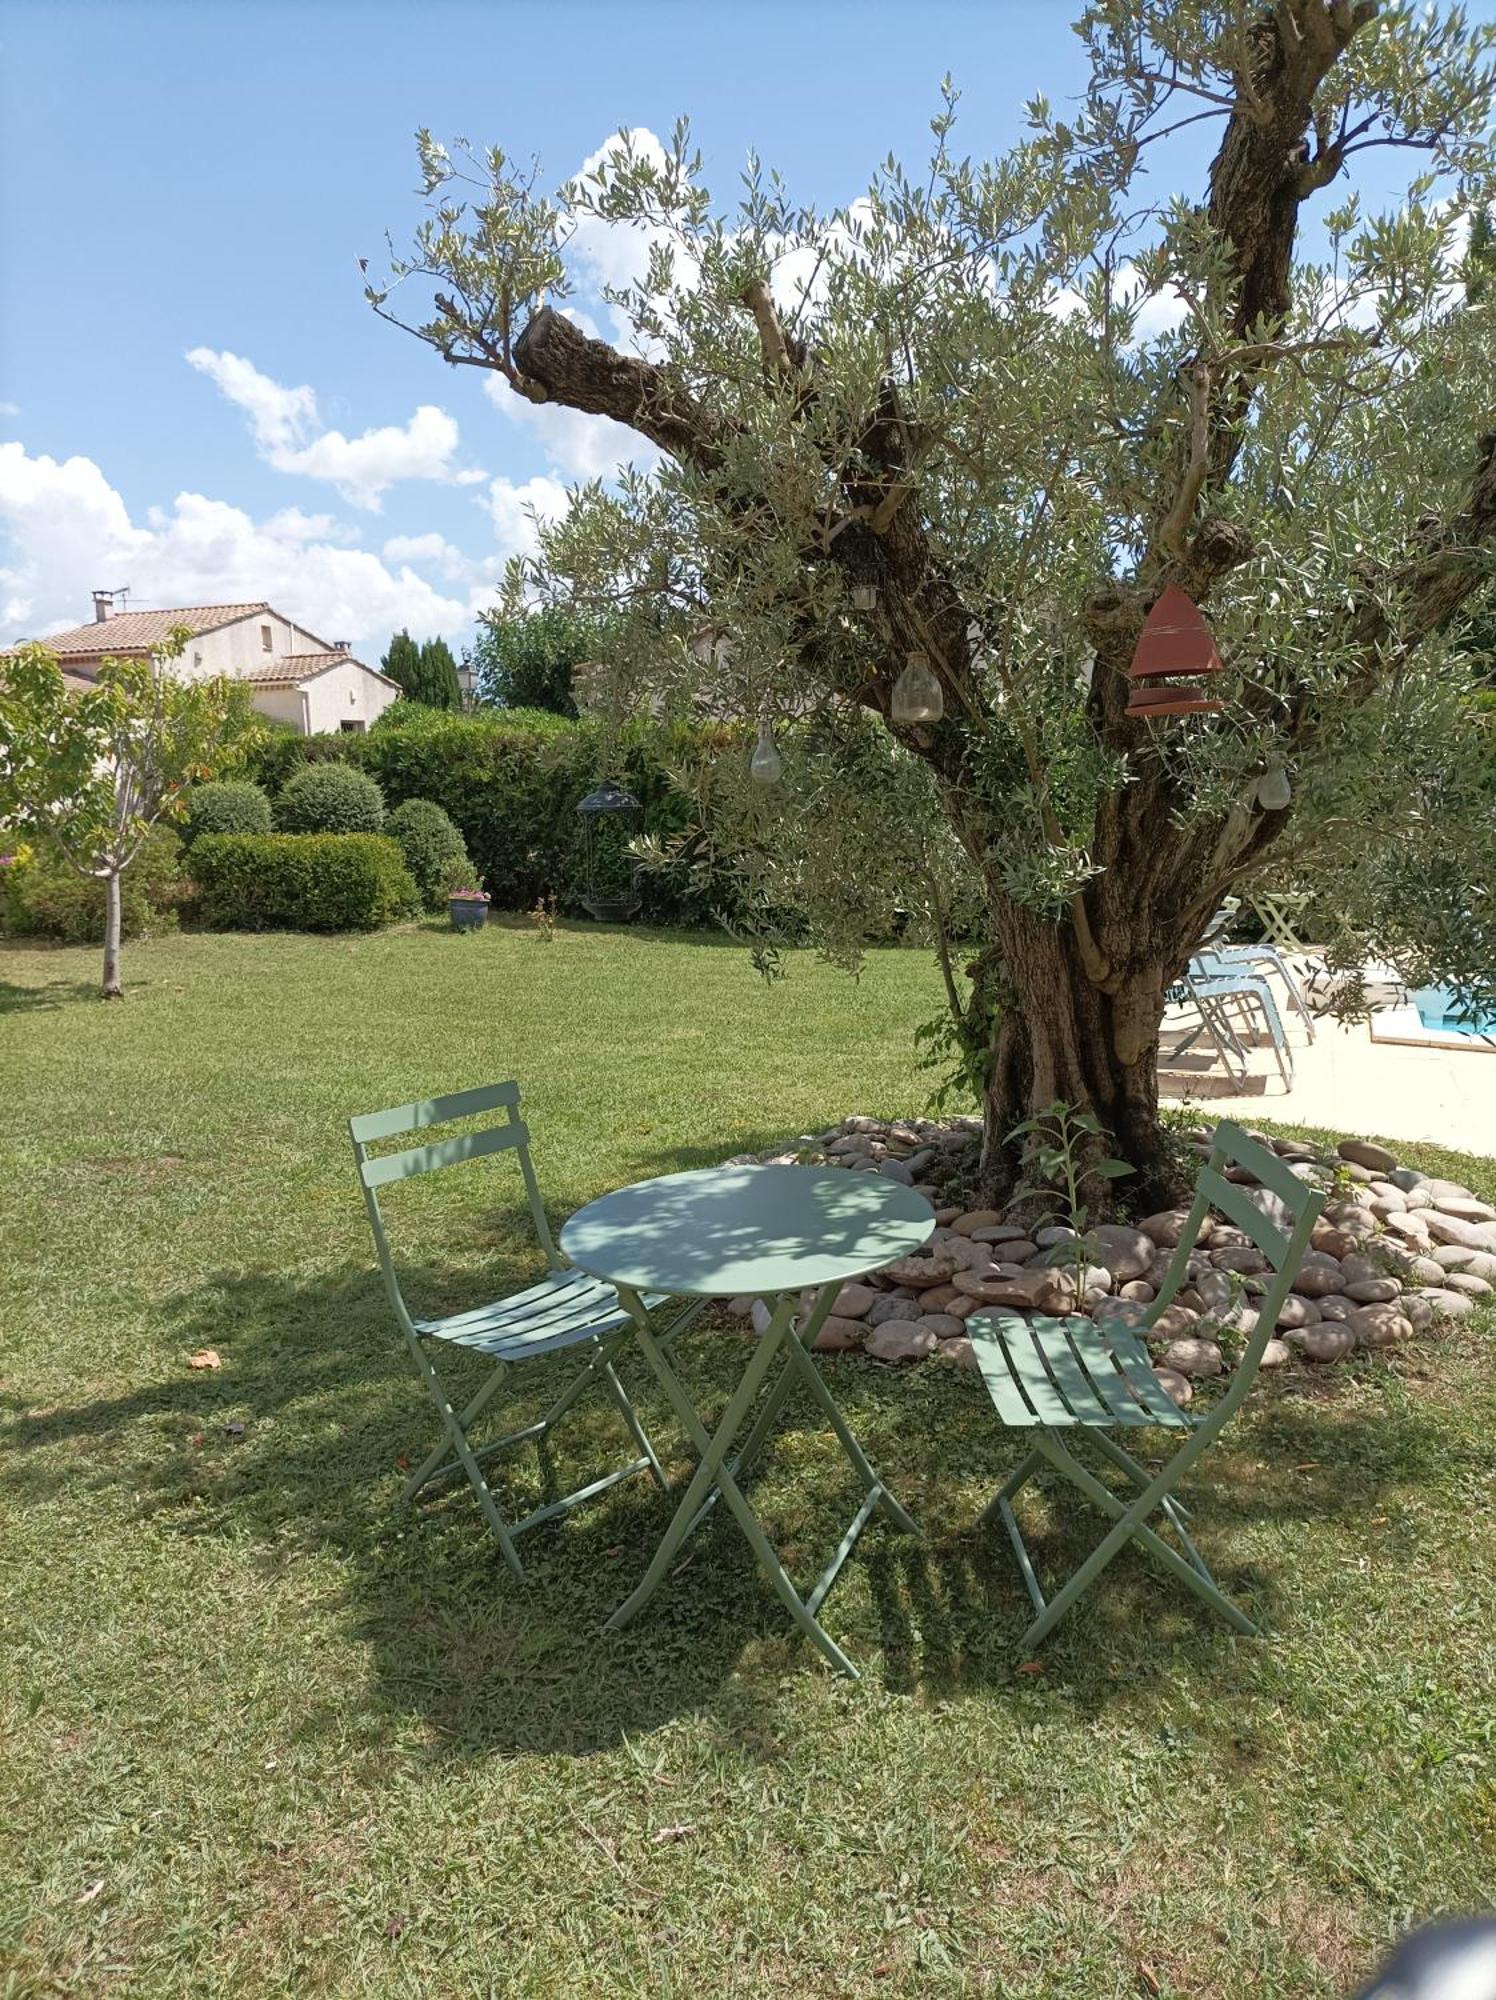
113 986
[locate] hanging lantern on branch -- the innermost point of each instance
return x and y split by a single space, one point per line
610 818
917 695
1174 646
864 596
765 766
1274 792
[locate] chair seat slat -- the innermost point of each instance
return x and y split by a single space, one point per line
1094 1354
992 1360
1087 1404
1121 1351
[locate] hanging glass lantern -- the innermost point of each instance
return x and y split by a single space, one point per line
864 596
610 818
917 695
1274 792
1174 645
766 766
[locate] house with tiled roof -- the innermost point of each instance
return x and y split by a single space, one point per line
294 676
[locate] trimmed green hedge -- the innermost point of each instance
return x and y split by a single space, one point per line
41 895
432 847
510 780
330 798
227 805
300 881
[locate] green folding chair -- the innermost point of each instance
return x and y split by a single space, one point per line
1058 1378
566 1309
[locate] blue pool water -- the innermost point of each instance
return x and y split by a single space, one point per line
1437 1009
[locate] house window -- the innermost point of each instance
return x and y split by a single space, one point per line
265 639
351 728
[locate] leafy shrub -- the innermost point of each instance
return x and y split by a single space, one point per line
300 881
41 895
275 753
431 844
227 805
330 798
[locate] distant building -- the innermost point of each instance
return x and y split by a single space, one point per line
294 677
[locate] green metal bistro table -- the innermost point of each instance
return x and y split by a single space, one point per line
769 1233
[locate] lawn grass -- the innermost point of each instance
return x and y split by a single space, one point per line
266 1732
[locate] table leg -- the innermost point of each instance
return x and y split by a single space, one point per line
715 1477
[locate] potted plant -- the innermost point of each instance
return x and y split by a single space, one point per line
467 904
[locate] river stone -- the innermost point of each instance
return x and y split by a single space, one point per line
1119 1312
1138 1288
1275 1354
1295 1311
1194 1357
1407 1177
896 1170
1384 1192
937 1298
1318 1275
900 1340
1244 1258
1024 1291
1467 1282
1010 1251
1427 1271
1417 1311
960 1351
854 1301
1055 1232
1456 1257
998 1232
1327 1342
1446 1303
975 1218
1418 1197
922 1273
1379 1326
1126 1253
1365 1153
1409 1225
1465 1208
1174 1385
741 1306
889 1308
1452 1229
836 1336
1372 1291
945 1326
1336 1306
1438 1189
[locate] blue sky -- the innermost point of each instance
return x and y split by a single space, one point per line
201 179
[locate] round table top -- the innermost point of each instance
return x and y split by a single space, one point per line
732 1231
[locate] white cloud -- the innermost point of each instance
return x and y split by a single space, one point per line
514 509
283 423
68 529
577 445
10 409
1157 314
434 552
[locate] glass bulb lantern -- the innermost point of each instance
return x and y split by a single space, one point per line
916 693
766 766
1274 792
864 596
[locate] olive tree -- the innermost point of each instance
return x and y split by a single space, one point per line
984 415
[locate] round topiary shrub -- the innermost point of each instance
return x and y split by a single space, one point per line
226 805
431 844
330 798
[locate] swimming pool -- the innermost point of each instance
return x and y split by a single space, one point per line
1437 1008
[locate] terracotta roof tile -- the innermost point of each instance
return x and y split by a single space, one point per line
139 631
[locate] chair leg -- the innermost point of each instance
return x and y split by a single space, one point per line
469 1463
1130 1525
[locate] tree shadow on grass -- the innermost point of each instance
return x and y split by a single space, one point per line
297 1442
53 994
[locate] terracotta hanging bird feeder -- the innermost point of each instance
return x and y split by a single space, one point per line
1174 646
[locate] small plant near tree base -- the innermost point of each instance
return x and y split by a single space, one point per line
1061 1150
93 772
927 464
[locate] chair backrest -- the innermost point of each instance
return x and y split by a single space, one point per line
377 1170
1283 1242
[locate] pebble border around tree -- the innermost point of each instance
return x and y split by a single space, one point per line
1394 1251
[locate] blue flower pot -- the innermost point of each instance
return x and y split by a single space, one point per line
466 915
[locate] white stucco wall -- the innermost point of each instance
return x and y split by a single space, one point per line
281 704
239 648
349 693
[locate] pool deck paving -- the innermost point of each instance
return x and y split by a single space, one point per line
1348 1081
